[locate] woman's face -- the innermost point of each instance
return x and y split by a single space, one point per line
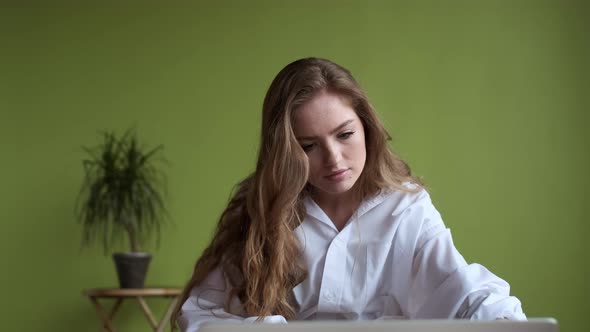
332 136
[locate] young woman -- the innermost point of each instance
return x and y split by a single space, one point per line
332 225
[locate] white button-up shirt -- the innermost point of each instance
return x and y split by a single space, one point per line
394 259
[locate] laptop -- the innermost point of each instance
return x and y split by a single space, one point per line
532 325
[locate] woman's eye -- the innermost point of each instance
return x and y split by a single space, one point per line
307 147
346 135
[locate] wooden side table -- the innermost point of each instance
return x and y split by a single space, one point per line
121 294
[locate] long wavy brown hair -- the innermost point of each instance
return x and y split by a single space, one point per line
254 243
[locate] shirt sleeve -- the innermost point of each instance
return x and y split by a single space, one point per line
206 302
442 284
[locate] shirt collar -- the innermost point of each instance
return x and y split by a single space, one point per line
371 202
314 210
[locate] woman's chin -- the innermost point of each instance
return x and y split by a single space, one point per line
336 188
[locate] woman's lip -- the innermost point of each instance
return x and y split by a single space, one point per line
337 175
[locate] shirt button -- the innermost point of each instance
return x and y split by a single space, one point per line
329 297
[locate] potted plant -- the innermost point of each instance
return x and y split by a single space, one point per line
122 194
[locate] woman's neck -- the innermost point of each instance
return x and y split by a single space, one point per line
338 207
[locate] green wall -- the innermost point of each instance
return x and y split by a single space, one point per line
487 100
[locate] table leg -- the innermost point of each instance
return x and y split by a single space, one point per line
148 313
166 317
107 324
115 308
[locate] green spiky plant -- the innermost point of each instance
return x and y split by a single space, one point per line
122 191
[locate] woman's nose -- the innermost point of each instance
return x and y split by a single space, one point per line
332 154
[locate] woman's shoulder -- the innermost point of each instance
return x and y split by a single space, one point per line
404 196
401 211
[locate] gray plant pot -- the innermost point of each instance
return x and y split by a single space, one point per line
132 268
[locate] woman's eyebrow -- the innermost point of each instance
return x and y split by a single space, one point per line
344 124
